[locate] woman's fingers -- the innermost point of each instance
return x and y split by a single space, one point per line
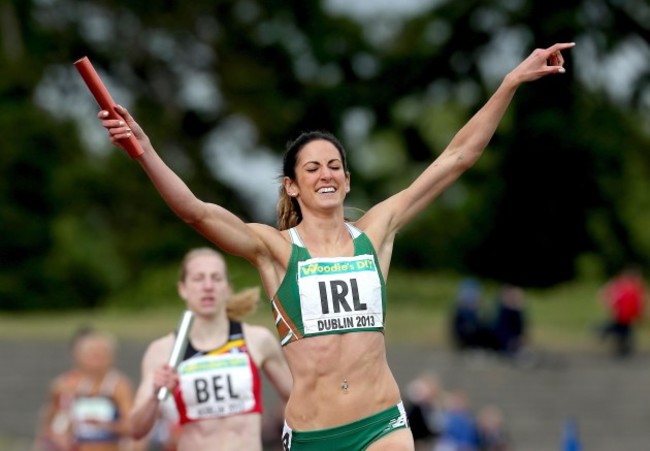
554 53
117 128
560 46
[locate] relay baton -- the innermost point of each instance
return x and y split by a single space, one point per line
105 101
180 344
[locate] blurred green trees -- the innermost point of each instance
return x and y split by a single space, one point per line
562 190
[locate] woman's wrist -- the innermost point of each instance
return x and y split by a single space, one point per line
511 81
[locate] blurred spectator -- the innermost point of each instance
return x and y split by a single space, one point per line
467 330
509 327
624 298
491 430
88 404
459 428
571 436
424 410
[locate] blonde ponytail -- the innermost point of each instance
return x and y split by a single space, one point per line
243 303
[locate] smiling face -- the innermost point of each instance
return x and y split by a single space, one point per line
204 283
321 180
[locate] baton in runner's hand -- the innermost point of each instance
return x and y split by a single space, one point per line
105 101
180 344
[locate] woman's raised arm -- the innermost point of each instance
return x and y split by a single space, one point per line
470 141
219 225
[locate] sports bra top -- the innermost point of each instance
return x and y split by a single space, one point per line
330 295
218 383
87 408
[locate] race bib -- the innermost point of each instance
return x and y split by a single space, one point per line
93 408
88 410
340 294
218 385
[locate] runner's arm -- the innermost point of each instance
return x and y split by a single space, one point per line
155 374
219 225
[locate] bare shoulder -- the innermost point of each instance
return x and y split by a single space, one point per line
158 350
263 229
261 342
257 334
124 382
162 343
65 382
375 223
270 235
277 245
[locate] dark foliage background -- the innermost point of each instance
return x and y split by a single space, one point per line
562 191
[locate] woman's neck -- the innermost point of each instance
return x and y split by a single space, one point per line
209 331
326 238
325 225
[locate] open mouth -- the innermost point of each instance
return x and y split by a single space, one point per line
209 300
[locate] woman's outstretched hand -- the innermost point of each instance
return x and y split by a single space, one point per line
540 63
119 130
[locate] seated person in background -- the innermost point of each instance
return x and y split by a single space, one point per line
492 432
459 426
424 409
467 330
509 328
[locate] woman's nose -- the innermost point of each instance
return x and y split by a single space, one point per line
208 283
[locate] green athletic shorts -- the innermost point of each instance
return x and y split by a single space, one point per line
355 436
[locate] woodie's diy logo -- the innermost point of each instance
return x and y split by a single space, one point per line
320 268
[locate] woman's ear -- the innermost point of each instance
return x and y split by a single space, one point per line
290 187
180 287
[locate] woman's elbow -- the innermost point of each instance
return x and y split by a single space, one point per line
465 161
138 433
190 215
137 429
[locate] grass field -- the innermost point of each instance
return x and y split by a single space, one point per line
561 318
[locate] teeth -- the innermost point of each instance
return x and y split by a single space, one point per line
326 190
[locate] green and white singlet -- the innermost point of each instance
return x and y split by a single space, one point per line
330 295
